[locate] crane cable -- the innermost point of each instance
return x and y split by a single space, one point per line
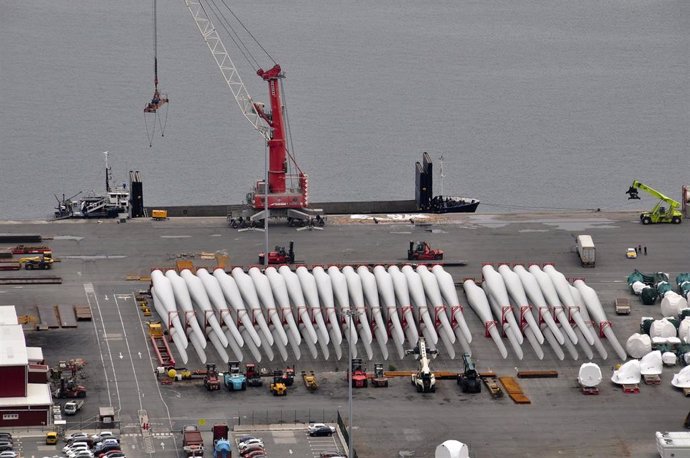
157 101
249 33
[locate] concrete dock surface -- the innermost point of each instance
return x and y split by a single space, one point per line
98 256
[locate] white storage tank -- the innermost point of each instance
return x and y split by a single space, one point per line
452 449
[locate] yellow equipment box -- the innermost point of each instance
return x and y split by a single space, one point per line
159 214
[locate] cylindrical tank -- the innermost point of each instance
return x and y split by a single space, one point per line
452 449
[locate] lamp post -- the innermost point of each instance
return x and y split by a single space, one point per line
350 452
266 205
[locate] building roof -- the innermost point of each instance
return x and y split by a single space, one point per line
38 395
34 354
13 346
8 314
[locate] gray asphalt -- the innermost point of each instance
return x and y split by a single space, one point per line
560 421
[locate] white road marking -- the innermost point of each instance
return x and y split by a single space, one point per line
89 290
134 372
175 236
153 371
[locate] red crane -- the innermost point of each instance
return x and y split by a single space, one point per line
286 192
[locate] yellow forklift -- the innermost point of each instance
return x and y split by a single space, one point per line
278 387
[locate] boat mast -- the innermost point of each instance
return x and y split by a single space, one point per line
107 173
442 175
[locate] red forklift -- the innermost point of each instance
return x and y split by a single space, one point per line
253 375
359 374
69 389
280 255
422 251
211 380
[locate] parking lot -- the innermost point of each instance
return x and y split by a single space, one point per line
291 440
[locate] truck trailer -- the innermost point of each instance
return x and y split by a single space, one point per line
586 250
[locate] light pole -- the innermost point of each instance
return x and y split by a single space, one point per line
350 452
266 204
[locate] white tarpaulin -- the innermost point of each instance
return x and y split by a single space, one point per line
638 345
628 374
682 378
589 375
651 364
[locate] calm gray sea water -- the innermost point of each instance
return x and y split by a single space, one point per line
532 103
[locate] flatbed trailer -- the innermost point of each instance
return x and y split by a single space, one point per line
162 349
492 385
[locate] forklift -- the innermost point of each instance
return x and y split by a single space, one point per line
278 387
422 251
211 380
253 375
359 374
469 381
279 255
380 380
43 261
289 376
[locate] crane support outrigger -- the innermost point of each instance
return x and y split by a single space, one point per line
286 194
668 213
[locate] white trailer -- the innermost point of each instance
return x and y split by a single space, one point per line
586 250
673 444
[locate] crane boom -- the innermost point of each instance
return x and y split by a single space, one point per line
227 67
285 192
658 214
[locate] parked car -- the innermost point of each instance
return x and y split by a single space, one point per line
251 449
80 437
322 431
4 435
77 451
6 443
332 455
113 454
103 435
75 446
315 426
256 454
106 445
8 454
248 443
6 448
108 441
83 454
243 439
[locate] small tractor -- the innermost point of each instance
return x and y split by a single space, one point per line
424 380
422 251
211 381
69 390
234 379
310 380
379 380
42 261
359 374
469 380
289 376
280 255
253 376
278 387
